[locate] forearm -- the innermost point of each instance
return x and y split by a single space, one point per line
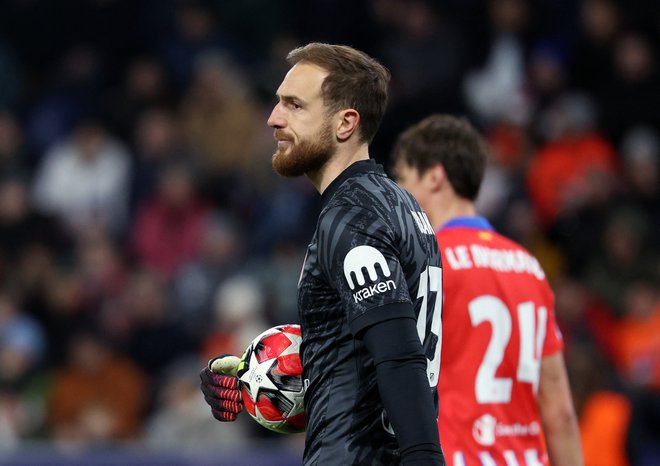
410 408
558 415
405 391
563 443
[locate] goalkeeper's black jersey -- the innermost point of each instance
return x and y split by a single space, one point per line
373 250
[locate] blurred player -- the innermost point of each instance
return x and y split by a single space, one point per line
369 295
503 383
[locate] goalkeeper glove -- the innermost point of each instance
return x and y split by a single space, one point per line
221 389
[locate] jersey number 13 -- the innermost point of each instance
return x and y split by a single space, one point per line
429 320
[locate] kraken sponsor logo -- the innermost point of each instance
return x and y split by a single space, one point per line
363 259
369 291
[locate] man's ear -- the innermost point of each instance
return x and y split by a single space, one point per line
437 177
347 124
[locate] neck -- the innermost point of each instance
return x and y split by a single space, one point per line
340 161
456 207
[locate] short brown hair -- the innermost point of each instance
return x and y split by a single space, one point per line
355 80
450 141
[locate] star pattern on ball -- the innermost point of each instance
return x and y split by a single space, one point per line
257 377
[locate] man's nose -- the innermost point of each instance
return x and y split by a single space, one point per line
276 119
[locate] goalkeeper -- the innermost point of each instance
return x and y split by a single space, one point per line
369 295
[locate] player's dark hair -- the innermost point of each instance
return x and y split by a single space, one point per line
450 141
355 80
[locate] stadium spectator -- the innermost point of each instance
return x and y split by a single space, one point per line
22 342
83 179
497 89
640 154
168 227
631 96
145 85
604 425
419 30
195 33
100 269
637 342
574 153
181 420
623 255
13 160
591 62
23 349
64 100
221 255
97 396
21 226
239 311
157 142
156 336
219 117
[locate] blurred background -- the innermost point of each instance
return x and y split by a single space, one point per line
143 231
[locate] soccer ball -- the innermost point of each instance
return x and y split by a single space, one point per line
270 375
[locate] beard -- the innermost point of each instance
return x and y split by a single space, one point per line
308 155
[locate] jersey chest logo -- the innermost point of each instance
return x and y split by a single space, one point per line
487 429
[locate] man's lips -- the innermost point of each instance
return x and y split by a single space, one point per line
282 140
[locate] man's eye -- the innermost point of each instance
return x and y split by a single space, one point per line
296 105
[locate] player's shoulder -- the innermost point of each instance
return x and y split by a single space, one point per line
487 236
364 186
488 249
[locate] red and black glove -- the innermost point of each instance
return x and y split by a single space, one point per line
221 388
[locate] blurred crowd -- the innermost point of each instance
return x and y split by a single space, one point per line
142 229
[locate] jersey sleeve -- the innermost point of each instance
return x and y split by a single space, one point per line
554 342
358 257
